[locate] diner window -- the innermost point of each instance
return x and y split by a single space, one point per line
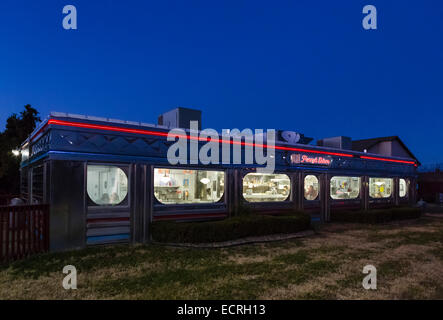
403 188
176 186
107 185
380 187
311 187
345 187
264 187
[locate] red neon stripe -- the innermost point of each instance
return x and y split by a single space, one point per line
384 159
39 131
102 127
164 134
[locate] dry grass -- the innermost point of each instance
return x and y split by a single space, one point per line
408 256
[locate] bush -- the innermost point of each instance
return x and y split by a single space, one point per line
243 210
228 229
376 215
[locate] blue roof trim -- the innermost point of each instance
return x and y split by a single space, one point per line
25 164
82 156
68 155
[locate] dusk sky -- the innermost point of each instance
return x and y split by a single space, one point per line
307 66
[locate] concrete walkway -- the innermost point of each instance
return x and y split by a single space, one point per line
238 242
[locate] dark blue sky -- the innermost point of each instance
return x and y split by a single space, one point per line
299 65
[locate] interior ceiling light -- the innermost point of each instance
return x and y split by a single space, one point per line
205 180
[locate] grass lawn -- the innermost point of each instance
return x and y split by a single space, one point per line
408 256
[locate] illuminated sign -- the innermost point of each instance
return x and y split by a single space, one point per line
305 159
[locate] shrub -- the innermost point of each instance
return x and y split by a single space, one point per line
376 215
228 229
243 210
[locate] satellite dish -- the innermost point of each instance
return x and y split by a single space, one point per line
290 136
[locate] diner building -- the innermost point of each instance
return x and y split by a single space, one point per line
107 180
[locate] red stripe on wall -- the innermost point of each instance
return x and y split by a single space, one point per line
390 160
165 134
190 137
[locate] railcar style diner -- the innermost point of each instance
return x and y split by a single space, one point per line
107 180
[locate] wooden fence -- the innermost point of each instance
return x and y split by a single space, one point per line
24 230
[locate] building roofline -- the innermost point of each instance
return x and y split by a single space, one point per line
389 138
127 125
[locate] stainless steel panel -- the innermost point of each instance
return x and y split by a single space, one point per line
67 214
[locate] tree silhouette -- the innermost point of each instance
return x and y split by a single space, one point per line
18 128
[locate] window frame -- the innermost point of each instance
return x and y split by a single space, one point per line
287 200
349 199
126 168
318 198
391 196
157 203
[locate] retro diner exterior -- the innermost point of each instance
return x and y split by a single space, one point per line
107 180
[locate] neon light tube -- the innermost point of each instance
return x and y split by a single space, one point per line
165 134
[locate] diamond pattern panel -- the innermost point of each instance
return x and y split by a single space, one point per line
106 143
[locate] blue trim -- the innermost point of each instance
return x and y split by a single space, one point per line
72 155
315 219
106 157
35 159
83 156
95 239
68 155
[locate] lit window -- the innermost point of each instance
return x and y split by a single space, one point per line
311 187
380 187
175 186
403 188
264 187
107 185
345 187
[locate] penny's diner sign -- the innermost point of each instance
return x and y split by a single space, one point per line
299 158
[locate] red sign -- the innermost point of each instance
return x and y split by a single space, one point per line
305 159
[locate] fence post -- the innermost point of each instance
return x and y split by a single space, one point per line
46 232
